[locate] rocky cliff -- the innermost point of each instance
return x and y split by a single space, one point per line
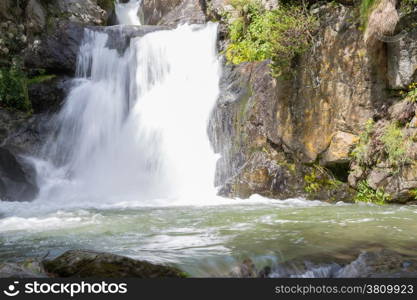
343 123
302 136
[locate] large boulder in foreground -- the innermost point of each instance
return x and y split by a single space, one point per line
84 264
16 178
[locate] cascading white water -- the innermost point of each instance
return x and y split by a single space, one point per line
127 13
134 127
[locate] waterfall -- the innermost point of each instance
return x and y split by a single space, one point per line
134 126
127 13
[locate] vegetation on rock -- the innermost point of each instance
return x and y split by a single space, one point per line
13 88
368 195
319 178
366 8
411 95
360 152
395 145
278 35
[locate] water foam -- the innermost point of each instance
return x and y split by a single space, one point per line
128 13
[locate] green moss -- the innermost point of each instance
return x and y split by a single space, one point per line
278 35
368 195
40 79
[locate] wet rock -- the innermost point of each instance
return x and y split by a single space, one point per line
48 95
154 10
188 11
380 264
120 37
26 269
17 181
84 264
245 270
23 133
56 52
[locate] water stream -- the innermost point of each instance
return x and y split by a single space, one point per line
130 170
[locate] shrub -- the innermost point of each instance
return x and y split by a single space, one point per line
278 35
318 179
395 145
368 195
13 88
411 95
408 6
361 150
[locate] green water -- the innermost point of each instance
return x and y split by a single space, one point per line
210 240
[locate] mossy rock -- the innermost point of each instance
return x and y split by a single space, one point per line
87 264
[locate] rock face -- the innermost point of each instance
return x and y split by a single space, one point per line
84 264
16 178
312 118
154 10
402 54
57 52
296 137
170 13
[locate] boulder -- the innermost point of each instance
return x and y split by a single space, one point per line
16 178
85 264
48 95
340 147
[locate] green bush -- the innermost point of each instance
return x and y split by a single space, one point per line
13 89
411 95
368 195
259 34
318 179
395 145
361 150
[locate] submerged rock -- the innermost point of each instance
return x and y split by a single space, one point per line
380 264
83 264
